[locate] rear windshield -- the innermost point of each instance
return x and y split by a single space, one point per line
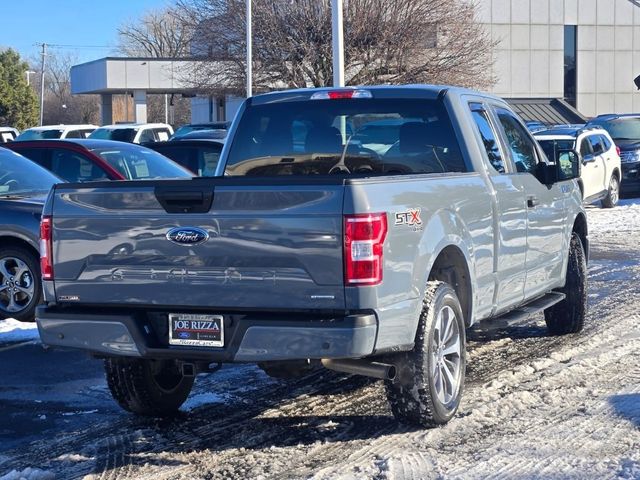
201 160
41 134
551 147
359 136
120 134
139 163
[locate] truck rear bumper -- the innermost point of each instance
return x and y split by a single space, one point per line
249 337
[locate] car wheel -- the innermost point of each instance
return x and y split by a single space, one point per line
20 283
613 194
568 315
154 388
431 376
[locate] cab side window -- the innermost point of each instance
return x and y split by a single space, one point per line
489 138
147 136
520 143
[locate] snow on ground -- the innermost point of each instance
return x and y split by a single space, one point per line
14 331
613 222
28 474
535 406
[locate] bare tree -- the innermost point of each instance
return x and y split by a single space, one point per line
386 41
159 34
60 106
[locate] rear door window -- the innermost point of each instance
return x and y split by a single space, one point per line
347 137
147 136
596 144
75 167
74 134
163 134
41 156
488 136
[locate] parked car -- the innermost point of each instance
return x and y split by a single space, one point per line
600 177
52 132
199 156
535 126
625 132
203 134
91 160
461 220
193 127
134 132
8 134
23 189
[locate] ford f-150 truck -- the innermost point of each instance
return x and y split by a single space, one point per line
359 228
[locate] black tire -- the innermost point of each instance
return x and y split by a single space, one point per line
414 397
613 194
568 315
13 295
154 388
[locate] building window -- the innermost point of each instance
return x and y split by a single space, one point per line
570 63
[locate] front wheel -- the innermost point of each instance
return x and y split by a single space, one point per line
568 315
431 376
613 194
154 388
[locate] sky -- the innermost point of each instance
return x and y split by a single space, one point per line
89 26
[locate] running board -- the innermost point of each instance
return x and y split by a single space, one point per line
523 313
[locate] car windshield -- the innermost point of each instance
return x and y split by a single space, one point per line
118 134
20 176
139 163
345 136
621 128
551 147
41 134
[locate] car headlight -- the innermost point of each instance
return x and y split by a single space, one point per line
630 156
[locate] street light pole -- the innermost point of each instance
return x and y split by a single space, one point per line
249 52
338 43
44 54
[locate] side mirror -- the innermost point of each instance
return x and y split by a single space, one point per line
567 166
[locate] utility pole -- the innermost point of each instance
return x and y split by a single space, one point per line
249 52
44 54
338 43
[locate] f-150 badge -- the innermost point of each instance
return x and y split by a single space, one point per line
410 218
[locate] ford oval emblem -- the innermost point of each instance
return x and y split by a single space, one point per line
187 236
184 335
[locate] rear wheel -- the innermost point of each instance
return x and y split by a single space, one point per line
568 315
20 284
613 194
431 376
147 387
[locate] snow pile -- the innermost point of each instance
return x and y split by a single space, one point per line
14 331
200 399
28 474
623 219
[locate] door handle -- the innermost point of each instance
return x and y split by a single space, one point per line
532 201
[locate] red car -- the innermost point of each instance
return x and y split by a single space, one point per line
86 160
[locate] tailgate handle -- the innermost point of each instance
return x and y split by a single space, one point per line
184 201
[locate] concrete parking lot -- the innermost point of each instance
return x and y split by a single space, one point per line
535 405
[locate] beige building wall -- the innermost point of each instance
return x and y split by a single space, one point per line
529 58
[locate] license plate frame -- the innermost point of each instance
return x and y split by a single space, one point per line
202 333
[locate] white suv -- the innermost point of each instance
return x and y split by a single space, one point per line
51 132
600 176
134 132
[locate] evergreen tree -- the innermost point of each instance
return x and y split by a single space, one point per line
18 103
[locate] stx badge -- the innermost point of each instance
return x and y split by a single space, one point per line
410 218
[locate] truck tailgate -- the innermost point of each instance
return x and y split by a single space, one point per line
268 246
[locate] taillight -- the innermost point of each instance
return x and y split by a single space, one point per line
364 236
46 248
618 150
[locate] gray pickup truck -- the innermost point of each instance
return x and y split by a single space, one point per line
362 229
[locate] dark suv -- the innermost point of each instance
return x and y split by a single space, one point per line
625 131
